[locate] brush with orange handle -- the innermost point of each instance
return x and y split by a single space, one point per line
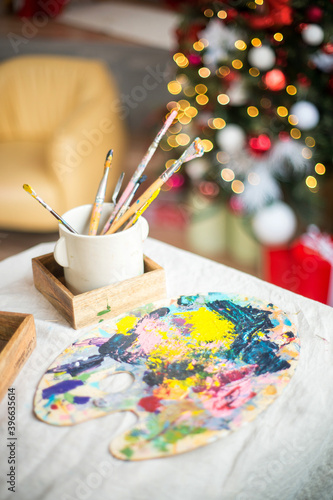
99 200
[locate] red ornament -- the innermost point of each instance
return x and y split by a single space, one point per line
314 14
231 77
284 136
236 205
275 80
328 48
231 14
303 80
260 144
273 13
301 27
194 59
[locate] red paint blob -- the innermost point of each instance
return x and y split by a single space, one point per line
150 403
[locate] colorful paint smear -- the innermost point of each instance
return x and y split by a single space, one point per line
202 366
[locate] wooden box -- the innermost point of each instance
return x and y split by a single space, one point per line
103 303
17 341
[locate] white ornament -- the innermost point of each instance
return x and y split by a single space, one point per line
313 34
221 40
323 61
197 168
307 114
260 188
286 158
237 94
231 138
275 224
262 57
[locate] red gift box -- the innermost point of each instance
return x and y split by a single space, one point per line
305 267
50 8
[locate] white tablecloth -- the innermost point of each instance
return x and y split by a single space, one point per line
285 453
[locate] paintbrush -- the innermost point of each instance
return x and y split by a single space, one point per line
117 188
193 151
130 198
100 196
29 190
142 209
139 171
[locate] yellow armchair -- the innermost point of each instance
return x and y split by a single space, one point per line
59 118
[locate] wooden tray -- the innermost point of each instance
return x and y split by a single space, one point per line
17 341
103 303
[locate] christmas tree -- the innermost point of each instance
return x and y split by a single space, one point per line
254 81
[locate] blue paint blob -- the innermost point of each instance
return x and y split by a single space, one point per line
80 400
61 387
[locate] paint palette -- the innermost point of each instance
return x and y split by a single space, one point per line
202 366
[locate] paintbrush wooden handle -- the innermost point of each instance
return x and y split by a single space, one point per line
95 216
136 205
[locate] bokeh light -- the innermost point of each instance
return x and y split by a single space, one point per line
256 42
254 72
224 71
227 174
219 123
201 88
311 181
204 72
182 139
295 133
237 186
198 46
207 145
237 63
191 111
208 13
310 142
278 37
222 14
222 157
291 89
202 99
174 87
240 45
253 178
282 111
292 119
223 99
320 168
306 153
252 111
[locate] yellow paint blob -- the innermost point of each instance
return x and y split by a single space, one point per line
270 390
209 326
125 324
172 389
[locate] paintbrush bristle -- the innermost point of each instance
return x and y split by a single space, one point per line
108 159
110 154
195 150
28 188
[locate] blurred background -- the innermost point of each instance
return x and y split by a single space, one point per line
252 79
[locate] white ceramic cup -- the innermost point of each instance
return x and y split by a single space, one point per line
92 262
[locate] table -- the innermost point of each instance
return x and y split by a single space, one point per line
285 453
